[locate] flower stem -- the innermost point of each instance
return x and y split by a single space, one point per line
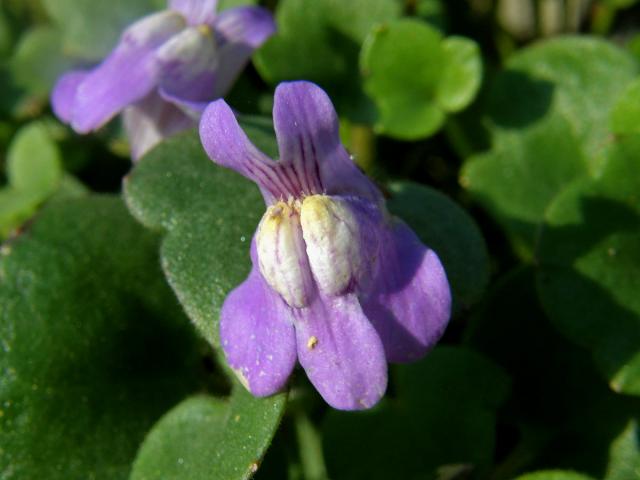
310 447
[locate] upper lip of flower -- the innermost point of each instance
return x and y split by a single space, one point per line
335 281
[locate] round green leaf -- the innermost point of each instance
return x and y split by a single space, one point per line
590 265
402 63
94 345
460 80
444 226
204 438
33 160
319 40
34 173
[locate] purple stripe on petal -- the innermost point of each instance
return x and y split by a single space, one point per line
227 145
410 302
64 93
341 352
188 64
127 74
257 337
150 121
239 32
306 125
197 12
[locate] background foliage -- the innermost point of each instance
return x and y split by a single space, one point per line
505 132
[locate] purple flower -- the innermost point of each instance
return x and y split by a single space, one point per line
337 283
166 68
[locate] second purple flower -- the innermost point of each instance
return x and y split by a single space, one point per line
337 282
166 68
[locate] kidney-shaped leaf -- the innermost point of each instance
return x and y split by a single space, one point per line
549 116
209 215
590 265
415 76
94 345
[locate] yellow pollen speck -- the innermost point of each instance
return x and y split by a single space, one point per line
204 29
312 342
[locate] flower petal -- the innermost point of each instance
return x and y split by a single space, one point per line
197 12
127 74
257 337
227 145
239 32
410 302
306 125
341 352
188 62
63 96
150 121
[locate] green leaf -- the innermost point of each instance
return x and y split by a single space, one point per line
320 40
554 475
548 115
582 78
590 253
625 116
92 27
38 62
443 415
415 77
522 174
401 63
460 80
209 215
16 206
33 160
625 454
204 438
94 346
34 173
444 226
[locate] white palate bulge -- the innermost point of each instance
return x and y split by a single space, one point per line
281 254
332 235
